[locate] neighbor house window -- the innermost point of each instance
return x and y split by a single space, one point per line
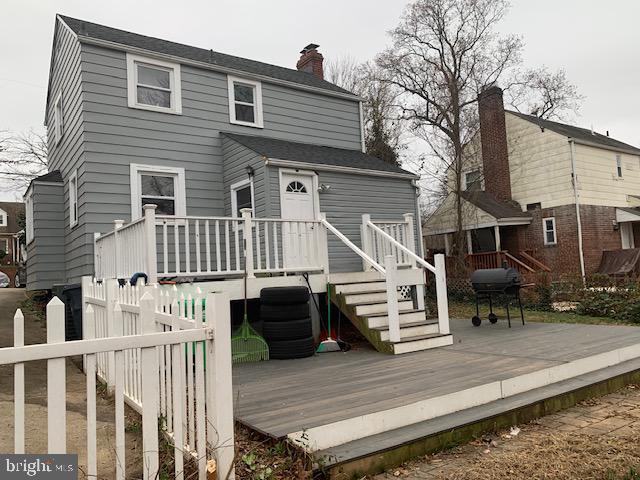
73 199
3 218
4 245
245 102
28 209
161 186
58 119
619 165
549 229
153 84
472 180
242 197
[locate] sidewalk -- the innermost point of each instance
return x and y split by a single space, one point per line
36 401
598 439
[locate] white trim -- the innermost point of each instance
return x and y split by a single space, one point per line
464 178
276 162
234 199
28 211
257 101
314 187
216 68
361 126
174 79
135 169
544 231
73 199
58 118
3 217
624 216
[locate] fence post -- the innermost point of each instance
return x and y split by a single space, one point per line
149 379
392 297
18 386
324 245
110 297
85 284
219 386
367 244
441 294
97 259
118 330
150 242
56 382
117 225
92 449
248 241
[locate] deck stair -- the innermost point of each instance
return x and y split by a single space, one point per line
362 297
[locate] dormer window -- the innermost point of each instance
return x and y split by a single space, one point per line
245 102
153 85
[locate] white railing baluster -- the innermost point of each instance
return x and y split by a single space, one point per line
176 241
165 247
235 226
257 245
226 246
275 244
197 227
267 249
218 256
187 247
208 245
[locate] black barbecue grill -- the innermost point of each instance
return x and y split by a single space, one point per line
496 281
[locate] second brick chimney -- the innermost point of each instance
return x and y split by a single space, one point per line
493 135
311 61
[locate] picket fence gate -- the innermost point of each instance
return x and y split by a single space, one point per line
165 358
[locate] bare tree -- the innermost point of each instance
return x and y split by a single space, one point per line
444 52
22 157
381 118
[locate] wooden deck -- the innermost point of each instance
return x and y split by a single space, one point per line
335 398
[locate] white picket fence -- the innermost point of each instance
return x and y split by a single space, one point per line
152 352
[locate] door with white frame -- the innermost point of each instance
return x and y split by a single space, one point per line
298 201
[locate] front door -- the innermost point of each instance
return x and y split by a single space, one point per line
298 201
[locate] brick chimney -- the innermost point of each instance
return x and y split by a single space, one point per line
311 61
493 134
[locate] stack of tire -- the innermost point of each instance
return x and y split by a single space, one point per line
286 323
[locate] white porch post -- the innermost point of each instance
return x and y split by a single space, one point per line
248 241
447 245
150 243
469 243
496 229
324 245
367 243
441 294
392 297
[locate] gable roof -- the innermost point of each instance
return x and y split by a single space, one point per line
13 210
89 30
581 135
314 154
494 207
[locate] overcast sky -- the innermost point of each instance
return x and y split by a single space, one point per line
596 42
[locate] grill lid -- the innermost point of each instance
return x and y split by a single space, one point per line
495 279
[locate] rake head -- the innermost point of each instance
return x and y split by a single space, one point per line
247 346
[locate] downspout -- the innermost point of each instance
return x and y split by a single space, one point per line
574 181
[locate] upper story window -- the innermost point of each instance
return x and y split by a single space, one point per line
58 119
472 180
28 210
153 84
242 197
161 186
73 199
549 231
3 218
619 165
245 102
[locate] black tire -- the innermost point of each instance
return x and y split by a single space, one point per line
281 313
476 321
289 330
283 349
493 318
284 295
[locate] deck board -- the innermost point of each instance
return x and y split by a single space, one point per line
281 397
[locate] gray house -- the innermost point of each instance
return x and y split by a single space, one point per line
134 120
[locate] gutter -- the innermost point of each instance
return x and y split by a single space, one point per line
574 181
276 162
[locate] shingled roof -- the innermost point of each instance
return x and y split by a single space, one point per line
581 135
86 29
494 207
313 154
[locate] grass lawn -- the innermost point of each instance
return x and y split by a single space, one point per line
467 310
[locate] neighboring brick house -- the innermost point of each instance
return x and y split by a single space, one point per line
544 192
10 214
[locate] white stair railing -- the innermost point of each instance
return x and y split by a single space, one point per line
438 269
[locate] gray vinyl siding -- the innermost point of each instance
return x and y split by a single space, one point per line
236 159
349 197
45 254
67 155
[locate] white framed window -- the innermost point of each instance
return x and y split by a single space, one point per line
242 197
245 102
3 218
58 119
28 210
619 165
153 84
161 186
472 180
549 231
73 199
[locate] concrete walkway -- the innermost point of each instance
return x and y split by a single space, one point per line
36 401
